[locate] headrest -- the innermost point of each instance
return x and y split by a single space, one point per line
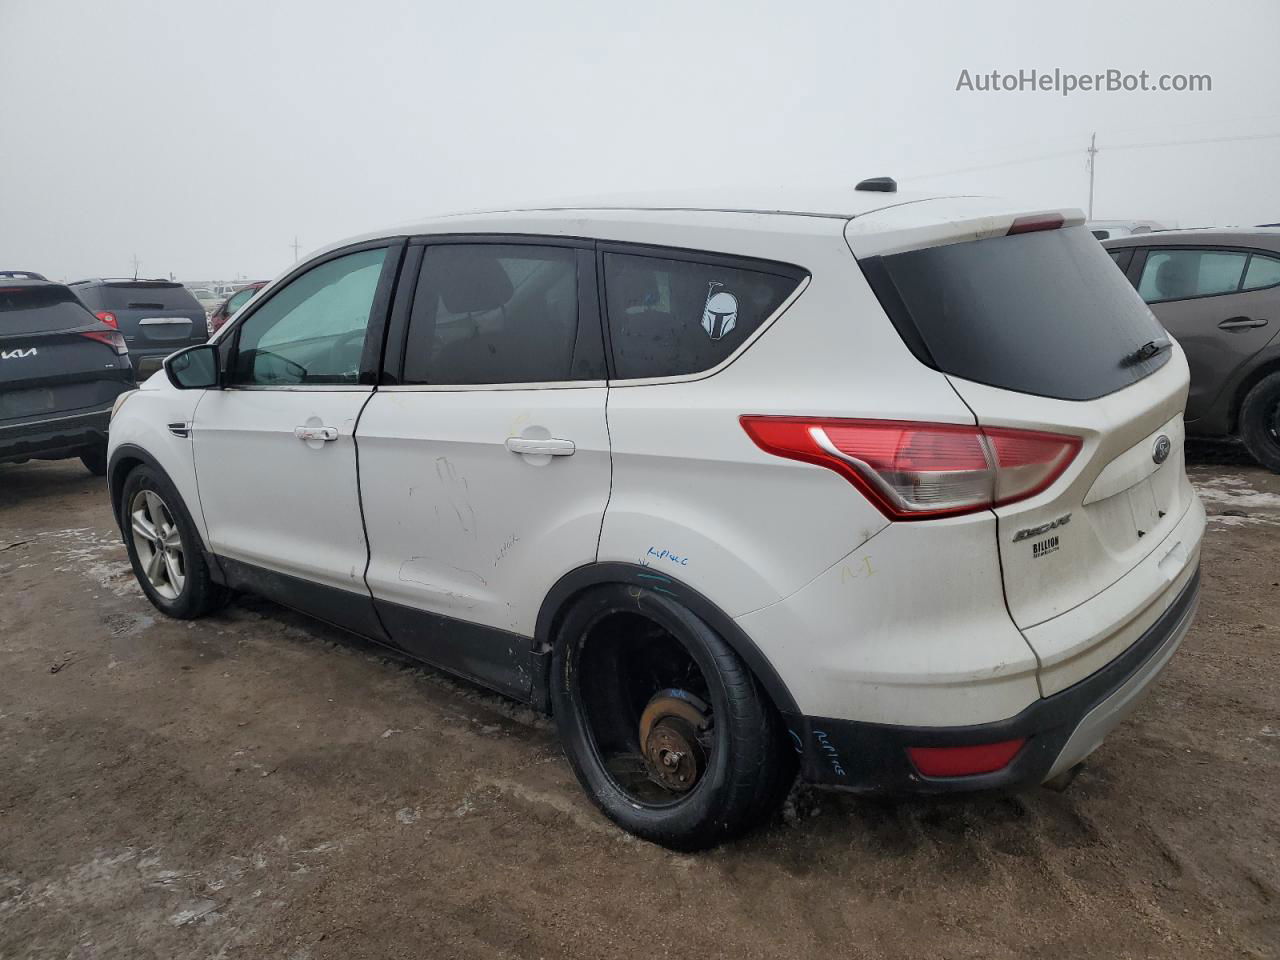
1173 279
634 287
469 280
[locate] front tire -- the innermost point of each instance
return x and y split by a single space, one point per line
164 548
666 729
1260 422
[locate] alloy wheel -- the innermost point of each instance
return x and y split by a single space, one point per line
158 542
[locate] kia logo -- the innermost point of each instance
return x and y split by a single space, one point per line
17 354
1162 449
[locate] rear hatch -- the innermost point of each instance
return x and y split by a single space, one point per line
1038 330
154 314
55 356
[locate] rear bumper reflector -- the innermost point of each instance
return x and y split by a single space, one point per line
965 761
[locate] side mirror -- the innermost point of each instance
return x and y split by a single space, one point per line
195 368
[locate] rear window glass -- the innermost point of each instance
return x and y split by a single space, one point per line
40 309
670 317
147 296
1043 313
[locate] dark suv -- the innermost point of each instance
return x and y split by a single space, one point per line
1218 292
156 317
61 370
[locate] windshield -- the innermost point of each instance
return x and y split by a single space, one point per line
1044 313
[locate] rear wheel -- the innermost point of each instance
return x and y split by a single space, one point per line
665 727
95 460
1260 422
164 547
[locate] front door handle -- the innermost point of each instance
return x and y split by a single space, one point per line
315 433
1241 323
545 448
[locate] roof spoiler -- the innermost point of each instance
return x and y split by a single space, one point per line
933 223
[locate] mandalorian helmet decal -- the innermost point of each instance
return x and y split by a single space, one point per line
720 314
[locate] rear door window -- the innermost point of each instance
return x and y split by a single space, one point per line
1044 313
1183 274
498 313
1262 272
673 317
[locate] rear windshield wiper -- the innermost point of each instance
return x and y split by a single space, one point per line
1146 351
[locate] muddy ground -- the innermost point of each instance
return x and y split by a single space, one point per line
255 785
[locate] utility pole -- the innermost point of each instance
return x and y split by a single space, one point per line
296 247
136 263
1093 153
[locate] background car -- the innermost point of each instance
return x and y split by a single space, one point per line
61 370
21 275
226 310
156 317
1106 229
207 297
1218 292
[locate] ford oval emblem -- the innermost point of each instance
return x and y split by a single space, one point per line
1160 453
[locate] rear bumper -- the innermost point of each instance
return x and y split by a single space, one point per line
1061 730
56 435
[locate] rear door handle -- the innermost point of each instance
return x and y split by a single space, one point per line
546 448
1241 323
315 433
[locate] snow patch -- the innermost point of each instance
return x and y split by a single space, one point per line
101 559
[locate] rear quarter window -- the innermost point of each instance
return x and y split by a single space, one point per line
673 316
1263 271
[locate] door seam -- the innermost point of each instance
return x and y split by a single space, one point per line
364 526
608 435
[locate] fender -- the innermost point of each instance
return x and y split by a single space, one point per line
575 581
115 474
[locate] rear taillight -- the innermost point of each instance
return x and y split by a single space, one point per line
112 338
916 471
107 317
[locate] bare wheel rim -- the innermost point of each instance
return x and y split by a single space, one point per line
159 544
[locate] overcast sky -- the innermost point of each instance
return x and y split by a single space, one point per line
203 136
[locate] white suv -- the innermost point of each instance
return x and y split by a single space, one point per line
887 489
